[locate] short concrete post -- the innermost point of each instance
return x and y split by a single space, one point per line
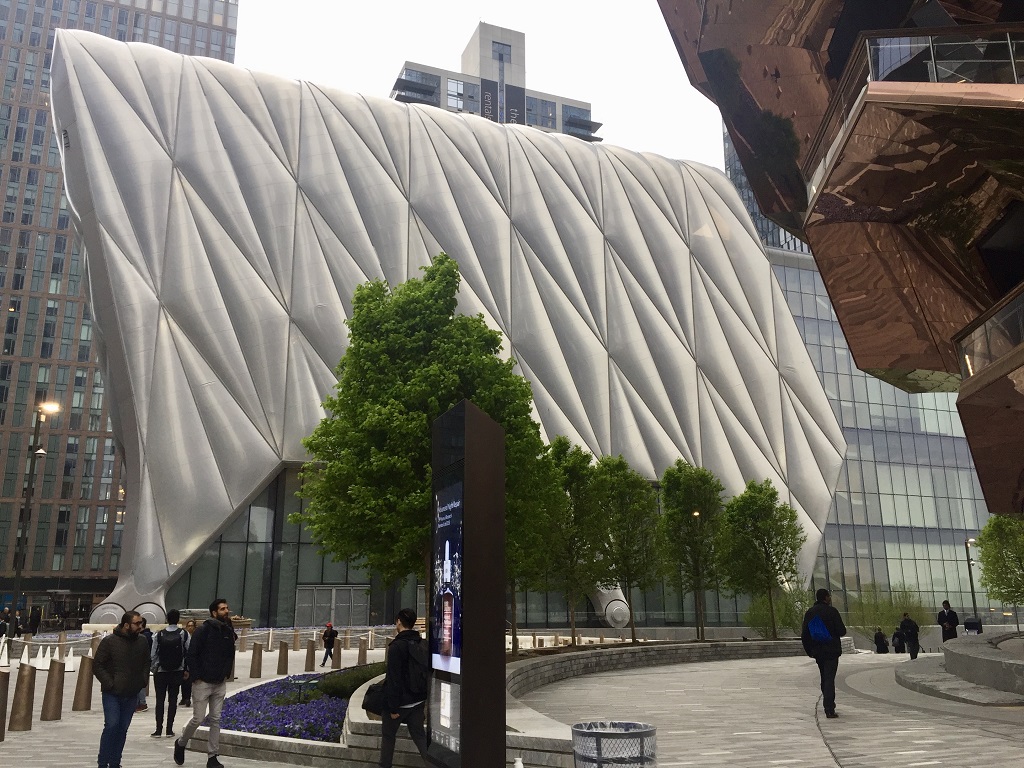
282 658
534 640
558 640
24 698
295 639
27 638
53 694
95 643
5 682
83 688
310 655
361 660
348 639
62 645
336 657
600 638
243 639
372 641
256 665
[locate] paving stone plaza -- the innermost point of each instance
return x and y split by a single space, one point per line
732 713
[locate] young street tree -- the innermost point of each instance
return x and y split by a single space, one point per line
691 499
1001 550
578 537
630 505
761 538
410 358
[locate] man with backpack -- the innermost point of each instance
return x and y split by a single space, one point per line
822 634
168 664
405 687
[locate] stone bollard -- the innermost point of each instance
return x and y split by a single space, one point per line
282 658
256 666
558 640
348 639
5 681
95 643
295 639
24 698
243 638
600 638
361 660
336 657
534 640
53 694
62 645
83 688
310 655
372 640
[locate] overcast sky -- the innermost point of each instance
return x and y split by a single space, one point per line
617 56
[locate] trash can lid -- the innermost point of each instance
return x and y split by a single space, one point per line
613 727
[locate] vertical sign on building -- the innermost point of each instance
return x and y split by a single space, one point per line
467 604
515 104
489 99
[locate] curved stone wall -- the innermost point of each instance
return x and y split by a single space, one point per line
979 660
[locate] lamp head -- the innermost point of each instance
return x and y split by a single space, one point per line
972 541
40 452
49 408
696 513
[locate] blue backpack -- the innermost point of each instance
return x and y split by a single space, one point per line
819 632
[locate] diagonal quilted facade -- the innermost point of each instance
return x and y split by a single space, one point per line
229 215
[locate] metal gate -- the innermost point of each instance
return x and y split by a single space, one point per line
343 606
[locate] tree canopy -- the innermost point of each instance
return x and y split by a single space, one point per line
410 358
626 499
761 538
691 499
1001 551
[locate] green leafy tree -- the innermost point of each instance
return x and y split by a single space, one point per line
876 606
761 538
410 358
788 604
691 498
578 537
1001 551
629 503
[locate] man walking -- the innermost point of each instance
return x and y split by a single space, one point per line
330 635
168 665
821 635
405 687
210 658
948 620
120 665
911 633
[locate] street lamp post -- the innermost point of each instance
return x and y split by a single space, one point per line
37 451
970 575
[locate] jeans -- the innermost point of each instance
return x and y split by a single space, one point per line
167 685
828 669
117 716
205 695
328 654
413 718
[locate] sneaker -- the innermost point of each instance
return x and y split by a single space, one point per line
142 708
186 703
157 733
213 762
170 732
831 715
179 752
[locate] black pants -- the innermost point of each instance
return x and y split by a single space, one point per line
914 647
167 685
328 654
413 718
186 691
828 669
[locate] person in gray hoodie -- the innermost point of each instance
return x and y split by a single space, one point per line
121 665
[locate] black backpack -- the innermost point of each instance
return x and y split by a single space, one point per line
170 650
418 667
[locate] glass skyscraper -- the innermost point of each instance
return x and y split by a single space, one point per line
72 539
908 495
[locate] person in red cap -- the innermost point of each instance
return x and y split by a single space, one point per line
330 635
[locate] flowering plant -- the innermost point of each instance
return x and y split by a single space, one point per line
269 709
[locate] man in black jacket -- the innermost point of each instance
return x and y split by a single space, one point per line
911 633
822 634
948 620
121 662
401 705
210 658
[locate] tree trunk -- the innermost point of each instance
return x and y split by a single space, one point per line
572 619
771 611
632 620
698 599
515 626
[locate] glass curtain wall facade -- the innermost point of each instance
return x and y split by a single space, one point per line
908 495
73 536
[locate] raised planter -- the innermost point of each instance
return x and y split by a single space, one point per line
978 659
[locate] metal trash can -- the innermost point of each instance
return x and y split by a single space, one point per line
603 743
972 625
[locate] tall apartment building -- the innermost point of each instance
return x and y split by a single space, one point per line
908 494
71 533
492 84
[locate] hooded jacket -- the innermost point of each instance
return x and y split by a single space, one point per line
831 649
122 663
211 652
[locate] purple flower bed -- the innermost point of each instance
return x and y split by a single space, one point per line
255 711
